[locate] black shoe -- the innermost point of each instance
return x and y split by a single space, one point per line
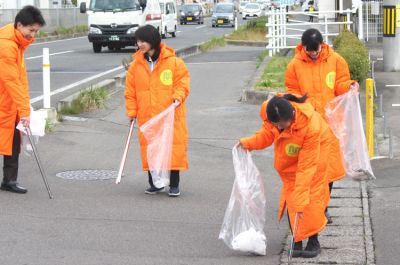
312 249
297 249
153 190
13 186
328 216
174 192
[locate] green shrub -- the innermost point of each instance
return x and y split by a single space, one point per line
355 53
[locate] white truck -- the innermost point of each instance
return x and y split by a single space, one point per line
112 23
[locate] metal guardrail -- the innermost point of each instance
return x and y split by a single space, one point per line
280 25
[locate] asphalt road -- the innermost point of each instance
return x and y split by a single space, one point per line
73 61
100 223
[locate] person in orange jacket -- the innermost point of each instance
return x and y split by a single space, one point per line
156 79
14 92
302 140
322 74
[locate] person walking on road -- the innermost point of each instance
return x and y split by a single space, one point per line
311 10
302 140
322 74
156 79
14 91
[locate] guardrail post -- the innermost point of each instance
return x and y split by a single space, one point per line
326 29
269 35
46 79
348 19
369 117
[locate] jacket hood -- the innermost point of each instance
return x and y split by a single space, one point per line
300 54
8 32
165 53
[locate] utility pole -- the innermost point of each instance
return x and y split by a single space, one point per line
391 35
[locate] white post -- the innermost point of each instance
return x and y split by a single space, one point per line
269 35
46 79
360 22
367 20
273 31
236 23
348 11
284 29
326 29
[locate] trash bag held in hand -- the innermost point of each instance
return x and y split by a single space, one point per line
244 221
37 126
159 134
344 117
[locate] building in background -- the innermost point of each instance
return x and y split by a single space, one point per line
18 4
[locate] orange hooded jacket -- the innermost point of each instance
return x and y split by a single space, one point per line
147 94
300 159
14 94
322 80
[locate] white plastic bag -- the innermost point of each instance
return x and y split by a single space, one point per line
37 127
344 117
159 134
244 221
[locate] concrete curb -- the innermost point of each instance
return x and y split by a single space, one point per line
369 243
54 38
247 43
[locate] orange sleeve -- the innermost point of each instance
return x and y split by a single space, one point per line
263 137
306 169
181 81
130 93
12 82
291 81
343 80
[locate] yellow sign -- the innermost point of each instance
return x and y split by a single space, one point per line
166 77
397 16
292 149
330 79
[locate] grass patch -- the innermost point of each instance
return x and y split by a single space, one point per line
88 100
63 31
49 127
213 43
261 57
273 78
253 30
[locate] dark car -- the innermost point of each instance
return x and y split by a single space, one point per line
192 13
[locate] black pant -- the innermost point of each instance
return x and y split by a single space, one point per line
10 165
173 179
330 192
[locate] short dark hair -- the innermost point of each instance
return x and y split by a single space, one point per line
311 39
29 15
149 34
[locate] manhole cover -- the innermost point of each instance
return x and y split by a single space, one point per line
89 174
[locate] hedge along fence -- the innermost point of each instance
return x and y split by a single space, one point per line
355 53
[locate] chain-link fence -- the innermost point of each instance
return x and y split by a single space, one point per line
55 18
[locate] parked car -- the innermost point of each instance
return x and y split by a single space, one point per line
251 10
192 13
276 4
224 14
169 18
241 6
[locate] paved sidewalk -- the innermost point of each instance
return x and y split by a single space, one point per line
349 239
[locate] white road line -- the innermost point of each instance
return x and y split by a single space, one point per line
200 27
51 54
237 62
63 89
392 85
395 105
54 41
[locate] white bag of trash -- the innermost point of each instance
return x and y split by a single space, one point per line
244 221
345 120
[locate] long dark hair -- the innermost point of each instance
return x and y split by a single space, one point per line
279 108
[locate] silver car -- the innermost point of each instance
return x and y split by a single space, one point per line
223 15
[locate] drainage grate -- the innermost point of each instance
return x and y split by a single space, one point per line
89 174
